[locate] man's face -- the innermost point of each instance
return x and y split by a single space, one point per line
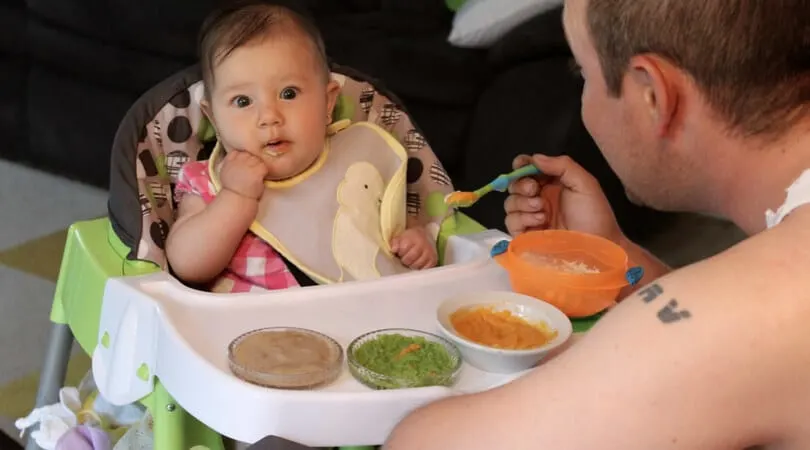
623 127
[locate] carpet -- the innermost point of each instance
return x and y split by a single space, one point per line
40 208
41 258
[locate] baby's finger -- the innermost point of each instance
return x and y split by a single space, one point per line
410 255
396 243
247 158
259 165
237 157
421 259
426 261
521 204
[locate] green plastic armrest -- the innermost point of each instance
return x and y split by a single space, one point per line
93 253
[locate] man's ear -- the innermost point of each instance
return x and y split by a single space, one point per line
332 92
655 79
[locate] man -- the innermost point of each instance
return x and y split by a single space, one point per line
698 106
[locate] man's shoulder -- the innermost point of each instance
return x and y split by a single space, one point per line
780 254
768 270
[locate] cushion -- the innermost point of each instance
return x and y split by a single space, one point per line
454 5
480 23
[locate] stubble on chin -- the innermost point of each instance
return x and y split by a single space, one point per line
634 198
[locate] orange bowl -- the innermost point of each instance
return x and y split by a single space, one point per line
579 273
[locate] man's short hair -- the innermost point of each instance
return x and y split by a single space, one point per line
750 58
239 22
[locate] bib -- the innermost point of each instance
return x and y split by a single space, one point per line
335 221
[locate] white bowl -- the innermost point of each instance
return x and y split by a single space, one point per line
498 360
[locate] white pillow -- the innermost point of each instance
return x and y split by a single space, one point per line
479 23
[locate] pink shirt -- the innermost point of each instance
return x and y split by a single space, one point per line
255 265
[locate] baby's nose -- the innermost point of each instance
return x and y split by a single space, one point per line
270 115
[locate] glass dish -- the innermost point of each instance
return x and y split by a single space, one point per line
376 380
266 357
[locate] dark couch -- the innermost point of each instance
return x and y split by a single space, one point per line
69 69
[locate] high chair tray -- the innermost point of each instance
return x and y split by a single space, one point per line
153 326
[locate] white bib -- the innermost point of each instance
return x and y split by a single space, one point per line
335 221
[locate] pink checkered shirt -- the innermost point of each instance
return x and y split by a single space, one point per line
255 266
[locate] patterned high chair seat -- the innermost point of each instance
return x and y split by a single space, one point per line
166 128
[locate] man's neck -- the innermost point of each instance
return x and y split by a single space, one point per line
757 174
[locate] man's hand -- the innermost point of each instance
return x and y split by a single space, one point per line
243 174
415 249
566 196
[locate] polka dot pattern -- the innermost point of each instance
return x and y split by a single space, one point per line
415 170
179 129
181 100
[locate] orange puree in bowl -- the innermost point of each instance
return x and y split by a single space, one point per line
500 329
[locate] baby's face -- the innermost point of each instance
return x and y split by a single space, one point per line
270 99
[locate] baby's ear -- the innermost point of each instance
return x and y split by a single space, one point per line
332 92
207 130
205 107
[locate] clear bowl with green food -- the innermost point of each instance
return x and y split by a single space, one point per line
397 358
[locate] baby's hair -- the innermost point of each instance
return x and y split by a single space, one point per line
240 22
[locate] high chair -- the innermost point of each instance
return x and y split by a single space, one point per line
117 262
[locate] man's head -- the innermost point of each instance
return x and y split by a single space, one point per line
663 78
268 89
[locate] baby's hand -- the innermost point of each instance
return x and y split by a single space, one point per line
243 174
415 249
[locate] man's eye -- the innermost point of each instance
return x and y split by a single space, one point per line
241 101
288 93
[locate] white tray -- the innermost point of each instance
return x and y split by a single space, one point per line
154 326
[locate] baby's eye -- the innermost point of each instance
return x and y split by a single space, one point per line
241 101
288 93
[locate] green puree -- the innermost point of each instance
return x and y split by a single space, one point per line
413 358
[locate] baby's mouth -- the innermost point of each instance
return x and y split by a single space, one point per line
276 148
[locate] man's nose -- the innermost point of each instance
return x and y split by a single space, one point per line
270 115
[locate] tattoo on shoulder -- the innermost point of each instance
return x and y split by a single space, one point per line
671 312
651 292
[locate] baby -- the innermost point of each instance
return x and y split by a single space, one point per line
269 95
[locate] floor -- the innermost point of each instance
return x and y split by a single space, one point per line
37 209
